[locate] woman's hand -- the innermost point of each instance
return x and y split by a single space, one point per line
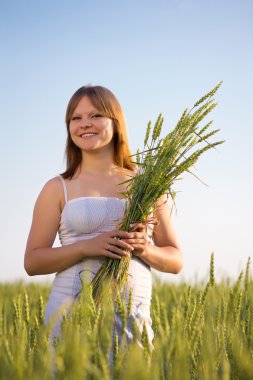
140 238
109 244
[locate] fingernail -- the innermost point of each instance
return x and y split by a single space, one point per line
131 236
131 248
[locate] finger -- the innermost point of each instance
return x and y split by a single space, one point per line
111 255
115 249
137 235
138 242
140 247
121 244
138 226
120 234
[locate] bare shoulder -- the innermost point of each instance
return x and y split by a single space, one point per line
52 191
53 185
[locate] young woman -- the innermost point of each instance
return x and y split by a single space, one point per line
84 206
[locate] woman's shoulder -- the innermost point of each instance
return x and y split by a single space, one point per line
52 188
53 183
52 193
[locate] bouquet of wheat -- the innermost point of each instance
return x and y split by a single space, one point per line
159 165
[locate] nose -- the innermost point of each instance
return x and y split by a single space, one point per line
86 122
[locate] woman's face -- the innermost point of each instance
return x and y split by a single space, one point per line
88 128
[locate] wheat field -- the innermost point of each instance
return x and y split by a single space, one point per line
201 331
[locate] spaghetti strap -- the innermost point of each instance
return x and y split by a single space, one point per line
64 188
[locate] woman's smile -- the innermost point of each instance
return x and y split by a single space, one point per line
88 135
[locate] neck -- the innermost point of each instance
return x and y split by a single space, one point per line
94 162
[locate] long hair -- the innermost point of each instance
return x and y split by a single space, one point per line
106 103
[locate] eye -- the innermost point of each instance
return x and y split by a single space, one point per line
75 117
96 115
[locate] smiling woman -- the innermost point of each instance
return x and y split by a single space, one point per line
85 206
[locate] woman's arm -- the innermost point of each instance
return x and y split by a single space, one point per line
165 254
40 257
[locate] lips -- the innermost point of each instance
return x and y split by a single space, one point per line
87 134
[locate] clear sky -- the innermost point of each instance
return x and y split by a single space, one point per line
155 56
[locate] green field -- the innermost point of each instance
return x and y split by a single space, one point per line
201 332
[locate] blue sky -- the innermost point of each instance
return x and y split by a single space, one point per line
156 56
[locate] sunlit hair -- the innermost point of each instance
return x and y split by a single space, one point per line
106 103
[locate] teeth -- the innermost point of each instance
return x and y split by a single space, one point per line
88 134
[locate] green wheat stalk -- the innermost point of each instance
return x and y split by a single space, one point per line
160 164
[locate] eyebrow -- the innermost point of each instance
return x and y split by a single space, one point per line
94 111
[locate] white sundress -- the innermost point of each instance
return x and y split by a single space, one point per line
85 218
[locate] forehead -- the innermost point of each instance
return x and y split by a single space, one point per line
85 105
